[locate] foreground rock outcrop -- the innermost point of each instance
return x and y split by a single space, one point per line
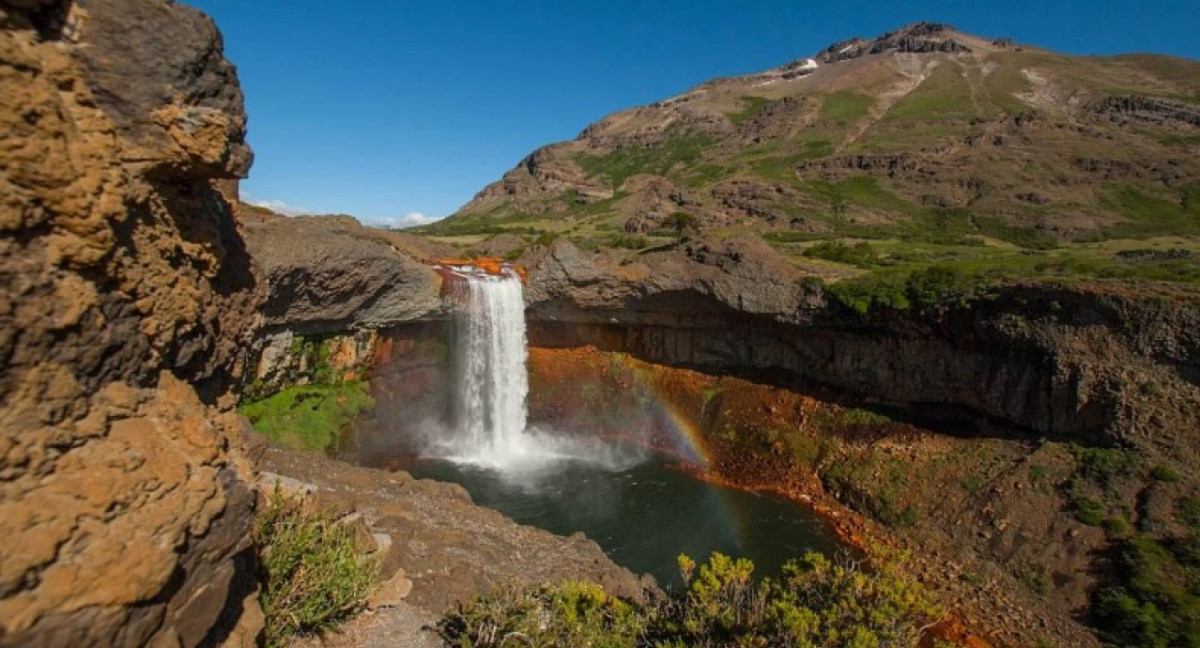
449 548
125 290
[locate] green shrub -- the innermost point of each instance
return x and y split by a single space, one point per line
1088 510
860 416
313 571
1165 474
859 254
571 614
1115 525
873 289
972 484
627 241
1151 388
1153 602
1104 466
682 224
939 285
816 602
1187 511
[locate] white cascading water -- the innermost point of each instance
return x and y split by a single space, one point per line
492 379
492 382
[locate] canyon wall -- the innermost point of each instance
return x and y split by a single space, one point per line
126 294
1097 364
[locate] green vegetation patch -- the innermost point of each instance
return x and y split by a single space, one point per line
817 602
592 209
679 149
860 254
1148 216
1155 600
1094 487
309 417
945 95
874 483
863 191
932 287
313 571
845 105
1029 238
752 106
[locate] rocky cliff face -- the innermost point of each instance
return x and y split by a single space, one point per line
125 291
329 274
1093 363
330 280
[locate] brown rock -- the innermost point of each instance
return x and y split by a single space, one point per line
391 592
125 290
331 274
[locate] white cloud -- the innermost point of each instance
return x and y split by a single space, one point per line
278 206
411 219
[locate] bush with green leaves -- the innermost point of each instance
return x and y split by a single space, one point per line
571 614
683 224
313 571
859 254
815 603
941 285
1155 599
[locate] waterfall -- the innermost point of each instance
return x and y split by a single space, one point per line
492 380
489 427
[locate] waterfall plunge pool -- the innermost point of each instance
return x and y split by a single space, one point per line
644 515
638 506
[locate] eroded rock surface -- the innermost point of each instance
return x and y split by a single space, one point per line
701 280
125 291
329 274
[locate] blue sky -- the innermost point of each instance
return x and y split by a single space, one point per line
397 112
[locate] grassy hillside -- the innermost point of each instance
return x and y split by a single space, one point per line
990 156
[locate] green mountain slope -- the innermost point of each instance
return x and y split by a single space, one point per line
923 135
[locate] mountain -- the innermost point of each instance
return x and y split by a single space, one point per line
922 134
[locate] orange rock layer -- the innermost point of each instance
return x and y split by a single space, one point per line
490 265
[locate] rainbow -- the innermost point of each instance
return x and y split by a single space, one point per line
687 441
686 438
688 444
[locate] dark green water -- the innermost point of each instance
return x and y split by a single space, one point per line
645 515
